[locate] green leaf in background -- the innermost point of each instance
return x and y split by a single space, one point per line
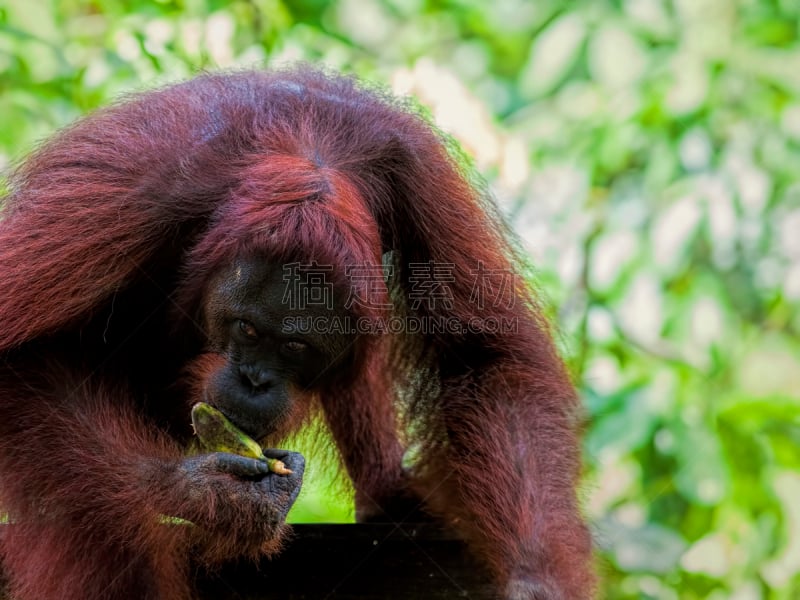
553 54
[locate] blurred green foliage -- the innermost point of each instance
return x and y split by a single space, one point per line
647 151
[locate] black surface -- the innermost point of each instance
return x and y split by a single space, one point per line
368 562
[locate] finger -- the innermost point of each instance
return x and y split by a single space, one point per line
295 462
240 466
288 484
278 453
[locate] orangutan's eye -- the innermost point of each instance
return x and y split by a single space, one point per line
248 330
295 347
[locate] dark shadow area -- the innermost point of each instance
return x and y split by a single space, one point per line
364 562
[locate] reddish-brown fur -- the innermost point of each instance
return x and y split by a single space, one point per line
109 235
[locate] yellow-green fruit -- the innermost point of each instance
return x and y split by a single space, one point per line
217 434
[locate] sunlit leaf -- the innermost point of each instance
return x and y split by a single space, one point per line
552 54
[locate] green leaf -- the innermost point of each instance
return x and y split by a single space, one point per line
552 55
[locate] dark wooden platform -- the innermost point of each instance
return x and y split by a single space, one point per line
364 562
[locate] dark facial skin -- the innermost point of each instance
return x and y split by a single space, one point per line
255 314
252 313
